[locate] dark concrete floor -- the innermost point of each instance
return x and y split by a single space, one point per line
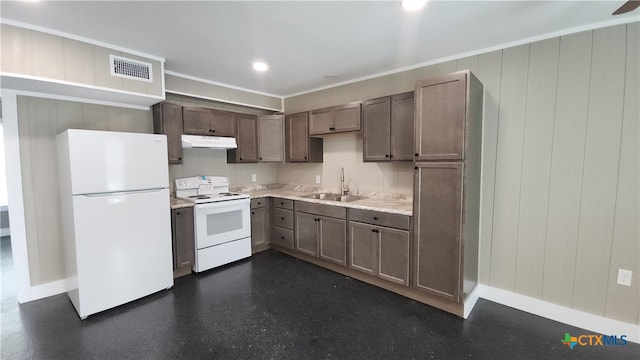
277 307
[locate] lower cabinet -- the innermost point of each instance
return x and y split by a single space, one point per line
282 223
321 231
259 224
379 251
183 237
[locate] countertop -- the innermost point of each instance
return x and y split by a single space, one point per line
374 201
396 206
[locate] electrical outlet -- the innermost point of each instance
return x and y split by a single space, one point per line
317 179
624 277
254 177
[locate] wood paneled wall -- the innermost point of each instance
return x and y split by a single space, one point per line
34 53
560 164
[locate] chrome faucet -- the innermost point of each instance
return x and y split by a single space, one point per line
344 189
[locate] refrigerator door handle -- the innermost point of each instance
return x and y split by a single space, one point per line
120 193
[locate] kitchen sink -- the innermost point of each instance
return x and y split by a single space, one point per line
334 197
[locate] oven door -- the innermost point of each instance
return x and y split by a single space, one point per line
222 221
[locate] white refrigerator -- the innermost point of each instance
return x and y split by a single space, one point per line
114 192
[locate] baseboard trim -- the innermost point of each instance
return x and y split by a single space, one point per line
573 317
471 300
42 291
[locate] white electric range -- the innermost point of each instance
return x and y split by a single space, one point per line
222 220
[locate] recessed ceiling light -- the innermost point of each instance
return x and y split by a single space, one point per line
260 66
412 5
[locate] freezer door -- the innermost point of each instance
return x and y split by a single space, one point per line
108 161
123 248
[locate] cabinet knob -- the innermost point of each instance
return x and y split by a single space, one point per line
281 203
177 212
416 168
180 158
281 218
253 213
375 231
214 130
387 155
282 237
240 158
260 159
259 203
416 154
305 158
390 155
375 218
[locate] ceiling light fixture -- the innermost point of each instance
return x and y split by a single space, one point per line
413 5
260 66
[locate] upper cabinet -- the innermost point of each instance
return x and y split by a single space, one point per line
167 119
342 118
204 121
247 138
388 128
271 138
299 146
440 117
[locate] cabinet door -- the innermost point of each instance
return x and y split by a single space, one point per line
197 121
259 226
363 246
376 115
440 118
271 138
321 121
332 234
402 110
282 237
182 229
223 123
307 233
437 228
297 137
167 119
393 255
346 118
247 138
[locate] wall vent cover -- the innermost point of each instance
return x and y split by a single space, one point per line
130 69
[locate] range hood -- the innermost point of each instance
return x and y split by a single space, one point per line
209 142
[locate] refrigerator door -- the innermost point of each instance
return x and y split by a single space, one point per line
123 248
107 161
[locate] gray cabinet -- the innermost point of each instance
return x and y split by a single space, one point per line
439 212
299 146
271 138
204 121
260 227
167 120
341 118
282 223
183 238
247 139
441 104
388 128
380 251
447 191
320 231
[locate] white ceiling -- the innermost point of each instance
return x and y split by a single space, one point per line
303 41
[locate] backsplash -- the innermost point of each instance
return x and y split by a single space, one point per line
345 151
214 162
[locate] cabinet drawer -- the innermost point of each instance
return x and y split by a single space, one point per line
283 218
282 237
259 203
396 221
321 209
283 203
